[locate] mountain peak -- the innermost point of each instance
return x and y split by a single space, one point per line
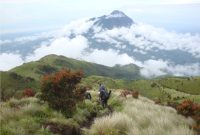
117 12
115 19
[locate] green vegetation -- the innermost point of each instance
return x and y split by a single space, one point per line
141 117
13 84
163 86
189 85
148 88
29 116
33 116
62 91
53 63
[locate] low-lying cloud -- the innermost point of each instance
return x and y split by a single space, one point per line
146 37
153 68
61 46
10 60
109 57
139 35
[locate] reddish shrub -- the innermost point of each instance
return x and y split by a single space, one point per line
61 90
28 93
186 108
189 108
135 94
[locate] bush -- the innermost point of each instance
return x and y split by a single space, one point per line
135 94
61 90
28 93
189 108
186 108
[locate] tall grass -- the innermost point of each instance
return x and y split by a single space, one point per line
27 116
142 117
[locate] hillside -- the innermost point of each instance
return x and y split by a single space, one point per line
142 117
189 85
154 89
13 84
53 63
129 116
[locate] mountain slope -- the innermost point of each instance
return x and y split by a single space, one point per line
142 117
53 63
13 84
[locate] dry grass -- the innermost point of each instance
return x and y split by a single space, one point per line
142 117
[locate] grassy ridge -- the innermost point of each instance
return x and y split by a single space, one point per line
117 77
53 63
187 85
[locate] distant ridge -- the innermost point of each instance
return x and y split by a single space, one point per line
53 63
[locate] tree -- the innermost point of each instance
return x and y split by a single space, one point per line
62 90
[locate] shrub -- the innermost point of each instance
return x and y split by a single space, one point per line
28 93
189 108
135 94
186 108
61 90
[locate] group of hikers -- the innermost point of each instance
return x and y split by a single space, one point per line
104 95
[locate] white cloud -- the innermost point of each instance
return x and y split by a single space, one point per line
77 27
61 46
109 57
9 60
153 68
151 37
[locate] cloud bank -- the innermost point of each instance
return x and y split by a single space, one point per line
146 37
153 68
9 60
76 46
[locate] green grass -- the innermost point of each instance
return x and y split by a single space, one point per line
142 117
146 89
13 84
130 116
53 63
117 77
26 116
187 85
29 115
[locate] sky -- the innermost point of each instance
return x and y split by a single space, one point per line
30 15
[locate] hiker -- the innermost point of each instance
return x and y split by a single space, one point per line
104 95
101 87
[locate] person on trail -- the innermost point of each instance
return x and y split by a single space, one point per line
104 95
101 87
